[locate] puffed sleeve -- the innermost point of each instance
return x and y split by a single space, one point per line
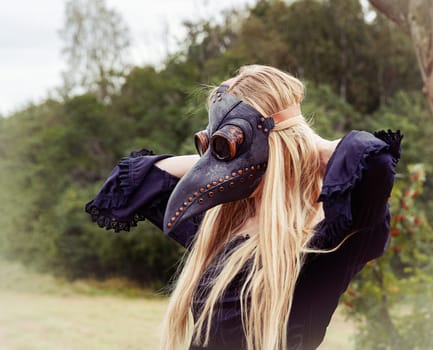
136 190
355 194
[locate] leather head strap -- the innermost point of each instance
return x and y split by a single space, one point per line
291 111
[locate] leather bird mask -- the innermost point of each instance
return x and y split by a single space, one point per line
234 154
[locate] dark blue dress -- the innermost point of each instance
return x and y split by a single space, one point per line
357 184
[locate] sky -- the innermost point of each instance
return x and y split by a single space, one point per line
30 46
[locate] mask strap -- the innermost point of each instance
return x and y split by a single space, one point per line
290 112
222 88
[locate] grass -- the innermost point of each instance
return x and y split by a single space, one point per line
39 312
75 322
15 277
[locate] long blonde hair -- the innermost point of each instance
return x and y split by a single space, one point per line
287 209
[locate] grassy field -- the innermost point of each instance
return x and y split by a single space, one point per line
38 312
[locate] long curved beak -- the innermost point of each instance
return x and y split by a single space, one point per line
208 183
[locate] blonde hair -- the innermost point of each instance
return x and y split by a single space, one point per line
287 209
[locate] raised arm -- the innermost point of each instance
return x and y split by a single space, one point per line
138 188
370 210
177 166
356 189
370 195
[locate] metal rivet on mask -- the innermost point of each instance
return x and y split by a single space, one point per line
220 179
169 225
181 209
246 169
259 126
227 177
252 167
190 199
232 184
221 188
214 183
265 130
234 174
195 194
177 213
185 204
208 186
202 190
240 171
262 119
211 194
173 219
200 201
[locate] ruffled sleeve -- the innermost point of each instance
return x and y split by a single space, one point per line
134 191
357 185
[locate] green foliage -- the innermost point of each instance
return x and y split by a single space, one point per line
330 114
55 156
328 42
409 111
392 295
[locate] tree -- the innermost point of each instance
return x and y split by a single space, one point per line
327 42
415 17
54 156
96 47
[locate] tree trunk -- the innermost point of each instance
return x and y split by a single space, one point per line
415 17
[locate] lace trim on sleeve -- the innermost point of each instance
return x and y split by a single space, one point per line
123 199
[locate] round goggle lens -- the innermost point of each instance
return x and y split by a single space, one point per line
221 148
226 142
201 141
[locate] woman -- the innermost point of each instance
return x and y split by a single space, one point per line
289 217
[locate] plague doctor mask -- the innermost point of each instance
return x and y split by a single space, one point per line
234 153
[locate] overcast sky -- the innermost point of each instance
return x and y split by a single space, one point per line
30 47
